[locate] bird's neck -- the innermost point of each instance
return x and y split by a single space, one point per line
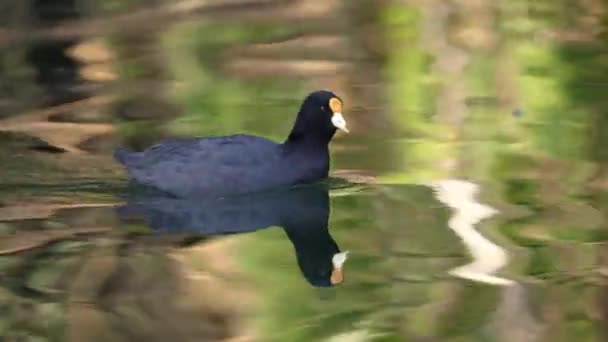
307 142
316 136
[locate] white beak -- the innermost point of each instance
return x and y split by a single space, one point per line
338 121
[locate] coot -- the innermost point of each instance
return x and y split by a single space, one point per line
242 163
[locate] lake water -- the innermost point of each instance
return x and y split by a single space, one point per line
470 195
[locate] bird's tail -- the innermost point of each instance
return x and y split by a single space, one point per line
123 155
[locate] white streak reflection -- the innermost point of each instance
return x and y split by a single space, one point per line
488 257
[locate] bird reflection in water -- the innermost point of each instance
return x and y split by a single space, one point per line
302 212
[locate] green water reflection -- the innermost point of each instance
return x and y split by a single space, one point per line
510 96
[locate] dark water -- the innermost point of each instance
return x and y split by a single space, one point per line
470 195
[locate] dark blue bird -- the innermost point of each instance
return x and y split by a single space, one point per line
242 163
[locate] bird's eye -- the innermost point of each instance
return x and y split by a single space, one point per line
323 108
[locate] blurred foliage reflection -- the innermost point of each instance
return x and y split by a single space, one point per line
507 95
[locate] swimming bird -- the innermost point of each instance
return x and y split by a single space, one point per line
242 163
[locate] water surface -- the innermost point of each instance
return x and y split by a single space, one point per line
470 195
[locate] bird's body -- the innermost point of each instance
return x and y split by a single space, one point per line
238 163
223 165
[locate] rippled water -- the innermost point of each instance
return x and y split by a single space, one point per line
470 195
